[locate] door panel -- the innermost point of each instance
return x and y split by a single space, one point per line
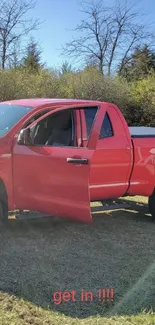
112 160
53 180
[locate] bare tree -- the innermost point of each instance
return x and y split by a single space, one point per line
14 24
107 33
15 59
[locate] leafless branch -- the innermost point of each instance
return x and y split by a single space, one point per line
14 24
107 33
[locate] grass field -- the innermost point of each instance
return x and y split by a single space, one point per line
41 256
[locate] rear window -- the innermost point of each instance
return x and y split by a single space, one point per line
106 128
90 114
10 115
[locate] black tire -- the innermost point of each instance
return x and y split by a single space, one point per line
151 206
3 211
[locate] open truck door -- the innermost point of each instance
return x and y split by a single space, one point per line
53 178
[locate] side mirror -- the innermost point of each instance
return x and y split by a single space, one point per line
24 137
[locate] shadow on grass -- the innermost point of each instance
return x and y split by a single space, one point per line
40 257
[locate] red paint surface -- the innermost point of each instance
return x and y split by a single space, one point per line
39 177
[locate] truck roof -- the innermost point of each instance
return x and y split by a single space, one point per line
34 102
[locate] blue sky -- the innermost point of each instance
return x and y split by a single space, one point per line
59 17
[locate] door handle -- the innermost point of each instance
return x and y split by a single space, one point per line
83 161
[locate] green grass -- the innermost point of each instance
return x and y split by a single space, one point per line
39 257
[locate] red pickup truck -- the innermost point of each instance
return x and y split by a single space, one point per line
57 155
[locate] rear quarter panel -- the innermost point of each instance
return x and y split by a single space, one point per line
143 175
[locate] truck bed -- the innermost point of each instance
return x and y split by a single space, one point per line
142 132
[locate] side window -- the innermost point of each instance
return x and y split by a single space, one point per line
54 130
90 114
106 128
34 118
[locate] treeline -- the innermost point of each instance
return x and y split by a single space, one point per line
116 53
136 100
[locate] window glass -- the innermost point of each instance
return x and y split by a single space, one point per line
34 118
54 130
9 115
90 114
106 128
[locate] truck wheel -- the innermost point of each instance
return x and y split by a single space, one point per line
151 205
3 212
